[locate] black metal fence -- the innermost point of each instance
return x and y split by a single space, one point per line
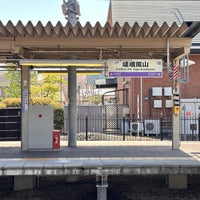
91 127
10 124
190 128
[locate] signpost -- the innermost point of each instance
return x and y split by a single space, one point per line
149 68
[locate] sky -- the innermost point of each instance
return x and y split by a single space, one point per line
50 10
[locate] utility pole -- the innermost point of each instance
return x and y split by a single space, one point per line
176 108
176 100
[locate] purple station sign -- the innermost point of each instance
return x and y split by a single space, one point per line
149 68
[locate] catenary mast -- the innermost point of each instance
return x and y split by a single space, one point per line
71 12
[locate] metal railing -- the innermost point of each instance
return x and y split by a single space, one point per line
190 128
91 128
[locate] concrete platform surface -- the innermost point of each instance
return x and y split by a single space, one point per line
96 157
99 149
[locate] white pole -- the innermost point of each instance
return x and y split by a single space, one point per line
138 116
176 113
141 94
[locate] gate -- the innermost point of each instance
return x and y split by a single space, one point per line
96 121
111 118
113 111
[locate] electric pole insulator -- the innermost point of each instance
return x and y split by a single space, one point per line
71 11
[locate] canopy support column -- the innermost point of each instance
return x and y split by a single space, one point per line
72 107
24 107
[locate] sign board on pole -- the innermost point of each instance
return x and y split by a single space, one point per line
149 68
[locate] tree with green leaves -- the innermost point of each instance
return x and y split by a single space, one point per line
47 85
14 79
41 85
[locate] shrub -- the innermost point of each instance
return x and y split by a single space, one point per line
41 101
12 102
2 105
58 119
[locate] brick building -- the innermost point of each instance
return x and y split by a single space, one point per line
143 92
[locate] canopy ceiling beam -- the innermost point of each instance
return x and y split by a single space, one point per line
88 48
87 43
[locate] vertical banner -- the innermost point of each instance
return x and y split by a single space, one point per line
25 100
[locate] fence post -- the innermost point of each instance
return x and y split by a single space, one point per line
123 128
19 125
86 127
199 126
161 128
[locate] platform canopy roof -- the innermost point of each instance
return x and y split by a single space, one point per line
64 42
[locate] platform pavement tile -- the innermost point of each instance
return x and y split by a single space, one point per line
72 163
115 162
53 164
140 162
13 167
111 163
34 164
3 162
92 163
178 162
109 158
15 163
94 158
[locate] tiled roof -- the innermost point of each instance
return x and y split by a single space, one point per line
159 11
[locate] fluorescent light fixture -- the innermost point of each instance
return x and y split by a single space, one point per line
64 74
64 71
8 65
62 63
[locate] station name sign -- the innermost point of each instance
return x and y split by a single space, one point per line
149 68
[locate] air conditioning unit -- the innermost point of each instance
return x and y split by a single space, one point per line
152 126
136 126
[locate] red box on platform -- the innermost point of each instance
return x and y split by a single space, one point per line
56 139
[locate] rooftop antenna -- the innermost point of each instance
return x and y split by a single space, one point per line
71 11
